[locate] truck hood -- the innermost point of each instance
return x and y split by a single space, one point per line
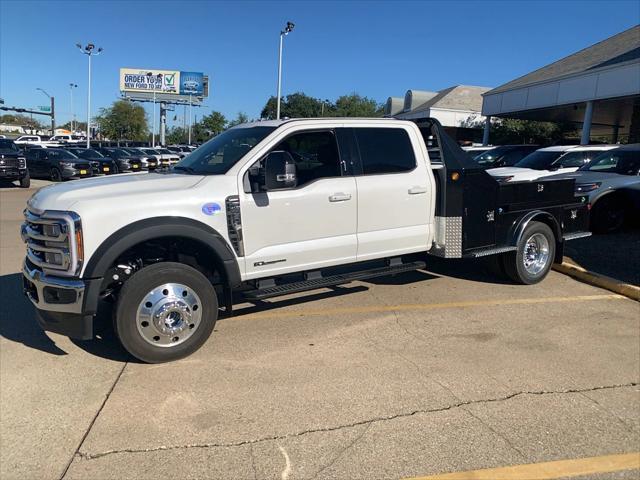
63 196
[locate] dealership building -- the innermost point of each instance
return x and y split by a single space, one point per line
457 108
597 89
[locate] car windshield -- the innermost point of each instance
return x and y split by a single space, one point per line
65 155
7 145
89 153
220 153
117 152
164 150
625 162
490 156
151 151
540 160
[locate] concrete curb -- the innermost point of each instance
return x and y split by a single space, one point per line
597 280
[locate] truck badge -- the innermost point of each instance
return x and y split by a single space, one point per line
211 208
490 216
540 187
574 214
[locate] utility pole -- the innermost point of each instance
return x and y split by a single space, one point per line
283 33
53 111
73 113
189 119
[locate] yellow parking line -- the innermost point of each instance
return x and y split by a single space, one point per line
548 470
429 306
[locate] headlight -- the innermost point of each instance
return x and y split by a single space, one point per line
125 162
22 162
587 187
94 164
67 164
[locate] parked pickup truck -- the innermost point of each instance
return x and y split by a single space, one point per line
273 208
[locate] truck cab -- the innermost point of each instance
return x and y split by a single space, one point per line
272 208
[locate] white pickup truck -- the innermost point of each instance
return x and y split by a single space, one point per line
273 208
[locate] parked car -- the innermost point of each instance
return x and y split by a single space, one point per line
125 162
57 164
504 155
149 162
612 183
550 161
68 139
178 150
36 140
166 157
13 165
101 165
267 209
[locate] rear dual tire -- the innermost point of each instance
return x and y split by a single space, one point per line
25 182
534 255
165 312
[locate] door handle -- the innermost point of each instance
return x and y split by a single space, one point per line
417 190
340 197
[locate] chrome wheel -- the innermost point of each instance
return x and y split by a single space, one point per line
168 315
536 253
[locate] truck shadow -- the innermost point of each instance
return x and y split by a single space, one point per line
18 324
483 270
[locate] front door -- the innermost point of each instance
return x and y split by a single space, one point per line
307 227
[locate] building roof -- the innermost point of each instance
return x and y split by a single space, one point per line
459 97
623 47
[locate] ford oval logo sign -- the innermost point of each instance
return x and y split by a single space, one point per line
211 208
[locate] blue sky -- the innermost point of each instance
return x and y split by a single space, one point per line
375 48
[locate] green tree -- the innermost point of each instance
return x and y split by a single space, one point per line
509 131
176 135
123 121
296 105
240 118
79 126
21 120
356 106
215 122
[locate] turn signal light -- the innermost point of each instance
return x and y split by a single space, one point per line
79 245
455 176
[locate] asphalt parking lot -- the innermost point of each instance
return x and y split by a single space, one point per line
444 370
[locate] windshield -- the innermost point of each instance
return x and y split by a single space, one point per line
64 155
164 150
7 145
539 160
150 151
491 156
626 162
220 153
89 153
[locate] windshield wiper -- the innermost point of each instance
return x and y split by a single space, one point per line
190 170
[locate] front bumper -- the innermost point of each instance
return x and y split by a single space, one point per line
12 172
76 173
65 306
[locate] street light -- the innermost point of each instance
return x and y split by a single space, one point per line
153 132
53 111
89 50
73 113
287 30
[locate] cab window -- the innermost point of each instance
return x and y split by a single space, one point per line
385 150
314 153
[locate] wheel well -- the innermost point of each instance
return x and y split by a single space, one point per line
188 251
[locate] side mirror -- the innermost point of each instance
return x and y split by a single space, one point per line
279 171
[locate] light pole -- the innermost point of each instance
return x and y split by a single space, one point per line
153 133
283 33
190 119
88 50
73 113
53 111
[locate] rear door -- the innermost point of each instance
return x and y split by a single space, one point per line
395 193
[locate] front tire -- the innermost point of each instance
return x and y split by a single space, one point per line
25 182
165 312
607 215
534 256
55 175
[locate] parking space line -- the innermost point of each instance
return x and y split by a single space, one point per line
427 306
548 470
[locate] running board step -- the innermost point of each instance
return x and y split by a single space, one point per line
312 284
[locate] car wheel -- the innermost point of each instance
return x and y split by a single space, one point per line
165 312
25 182
607 215
534 255
115 169
55 175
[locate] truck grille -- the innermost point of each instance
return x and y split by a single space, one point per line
10 162
54 241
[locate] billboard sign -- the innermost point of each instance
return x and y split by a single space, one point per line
168 82
192 83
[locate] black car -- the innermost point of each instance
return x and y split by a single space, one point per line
13 165
57 164
125 162
101 165
505 155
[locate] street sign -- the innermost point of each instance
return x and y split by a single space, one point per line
44 109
